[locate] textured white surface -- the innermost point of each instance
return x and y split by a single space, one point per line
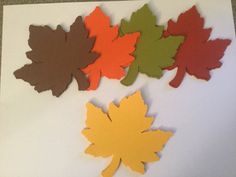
40 135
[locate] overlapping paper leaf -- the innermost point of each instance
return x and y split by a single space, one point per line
116 52
124 133
58 56
153 52
197 55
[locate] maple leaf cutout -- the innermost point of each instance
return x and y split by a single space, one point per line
124 134
197 55
153 52
58 56
116 52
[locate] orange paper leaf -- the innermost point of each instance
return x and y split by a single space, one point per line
116 52
124 133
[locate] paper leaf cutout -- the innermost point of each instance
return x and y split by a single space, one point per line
116 52
153 52
124 134
58 56
197 55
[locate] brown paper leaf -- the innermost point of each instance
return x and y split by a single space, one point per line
58 56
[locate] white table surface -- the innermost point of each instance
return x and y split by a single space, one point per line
40 135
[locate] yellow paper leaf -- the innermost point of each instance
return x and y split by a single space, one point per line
124 134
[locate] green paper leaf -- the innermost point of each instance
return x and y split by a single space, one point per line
153 52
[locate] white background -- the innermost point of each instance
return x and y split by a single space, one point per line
40 135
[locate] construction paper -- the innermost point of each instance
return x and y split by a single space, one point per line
153 52
40 135
58 56
198 54
124 133
116 52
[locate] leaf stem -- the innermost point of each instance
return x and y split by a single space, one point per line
81 79
110 170
178 77
131 75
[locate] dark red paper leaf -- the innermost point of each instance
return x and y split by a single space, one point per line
197 55
58 56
